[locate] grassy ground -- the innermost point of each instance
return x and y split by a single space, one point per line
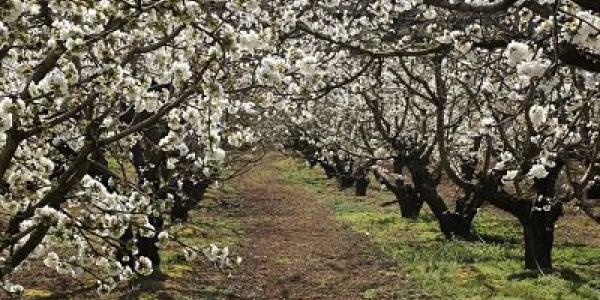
457 269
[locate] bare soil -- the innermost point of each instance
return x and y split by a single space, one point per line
294 249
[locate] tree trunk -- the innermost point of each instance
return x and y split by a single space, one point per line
410 208
329 170
146 246
361 185
451 224
455 225
410 203
179 212
538 226
538 235
345 181
537 217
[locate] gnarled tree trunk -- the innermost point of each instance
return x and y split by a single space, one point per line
538 218
330 171
146 246
345 181
361 185
451 224
538 235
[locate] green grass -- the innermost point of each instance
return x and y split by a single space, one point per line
456 269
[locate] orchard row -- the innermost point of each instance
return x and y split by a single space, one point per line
116 116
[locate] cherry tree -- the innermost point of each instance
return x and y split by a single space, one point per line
468 61
85 86
495 96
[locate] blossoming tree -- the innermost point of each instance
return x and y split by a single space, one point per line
496 97
90 88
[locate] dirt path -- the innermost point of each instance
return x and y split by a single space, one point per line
295 250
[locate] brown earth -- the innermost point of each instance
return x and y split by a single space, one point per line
295 250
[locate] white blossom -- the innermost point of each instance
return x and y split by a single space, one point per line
538 171
538 115
516 52
510 176
143 265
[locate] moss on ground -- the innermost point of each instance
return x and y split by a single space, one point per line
456 269
36 294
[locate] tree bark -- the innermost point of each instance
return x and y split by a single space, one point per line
178 211
345 181
537 217
538 235
329 169
146 246
411 204
361 185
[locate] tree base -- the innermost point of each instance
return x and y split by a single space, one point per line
361 186
453 225
410 206
345 181
538 235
